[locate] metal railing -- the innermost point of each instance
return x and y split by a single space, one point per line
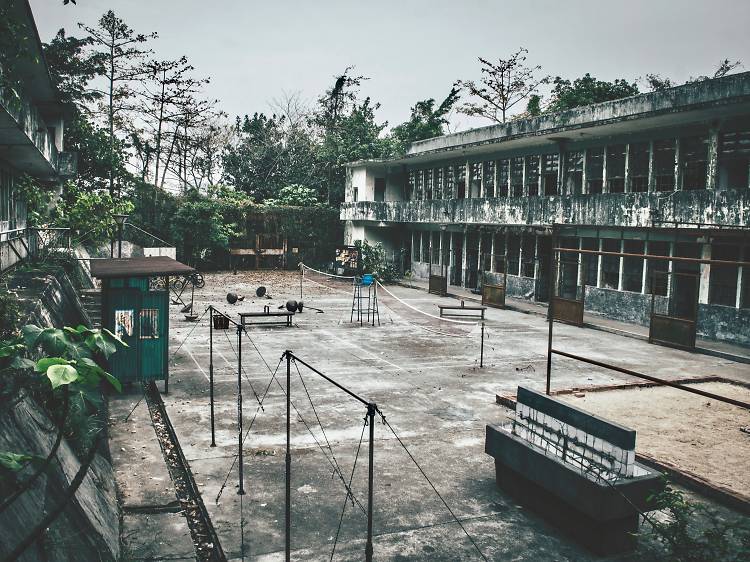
20 244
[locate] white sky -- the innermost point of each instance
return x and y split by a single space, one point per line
415 49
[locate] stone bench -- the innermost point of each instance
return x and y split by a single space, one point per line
281 316
574 468
473 310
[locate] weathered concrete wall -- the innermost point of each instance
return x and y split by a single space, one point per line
625 306
729 207
722 323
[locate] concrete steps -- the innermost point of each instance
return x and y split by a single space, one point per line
91 299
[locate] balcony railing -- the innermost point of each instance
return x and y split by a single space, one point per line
20 244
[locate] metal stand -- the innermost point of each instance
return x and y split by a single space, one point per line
241 490
481 348
371 298
288 510
211 371
370 480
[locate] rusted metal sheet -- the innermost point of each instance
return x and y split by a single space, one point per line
568 310
493 295
672 331
438 285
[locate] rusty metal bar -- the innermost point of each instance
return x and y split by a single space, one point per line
651 378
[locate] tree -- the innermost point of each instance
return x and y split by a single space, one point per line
656 82
503 85
118 45
72 69
587 90
426 121
294 195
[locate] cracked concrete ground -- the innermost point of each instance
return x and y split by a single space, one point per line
432 392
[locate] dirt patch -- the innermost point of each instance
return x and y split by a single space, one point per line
696 434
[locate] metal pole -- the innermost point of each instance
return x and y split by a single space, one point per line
550 309
301 275
481 348
371 421
119 240
211 371
241 491
288 510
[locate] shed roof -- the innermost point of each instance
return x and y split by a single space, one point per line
138 267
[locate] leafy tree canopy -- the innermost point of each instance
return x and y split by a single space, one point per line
587 90
426 120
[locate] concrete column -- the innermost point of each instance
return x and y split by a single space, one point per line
494 182
621 275
463 259
413 254
677 164
440 250
481 180
536 257
584 173
605 187
581 276
644 276
479 254
451 257
651 176
670 268
712 168
599 265
524 191
740 274
705 275
561 173
540 179
627 169
492 252
467 181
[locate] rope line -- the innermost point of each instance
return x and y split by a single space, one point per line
188 335
247 378
348 489
326 274
425 313
456 519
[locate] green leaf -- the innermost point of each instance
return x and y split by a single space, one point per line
97 341
30 335
113 381
54 341
10 350
14 461
62 374
114 337
21 363
43 364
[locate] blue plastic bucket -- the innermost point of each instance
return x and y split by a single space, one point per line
367 279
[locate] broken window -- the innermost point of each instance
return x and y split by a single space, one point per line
574 172
657 280
745 288
664 159
435 239
410 186
485 259
489 178
723 281
638 163
516 177
416 245
418 185
528 260
616 168
734 160
439 183
594 170
568 275
550 166
379 189
532 175
499 253
425 246
461 181
450 183
610 264
514 251
694 156
632 268
476 179
503 176
428 184
148 319
590 261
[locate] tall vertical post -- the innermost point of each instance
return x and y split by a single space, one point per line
370 472
481 348
288 508
301 275
241 490
550 310
211 370
119 240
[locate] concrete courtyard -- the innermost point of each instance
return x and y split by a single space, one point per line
428 384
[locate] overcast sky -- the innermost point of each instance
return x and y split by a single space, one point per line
415 49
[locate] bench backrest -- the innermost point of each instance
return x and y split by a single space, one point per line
587 442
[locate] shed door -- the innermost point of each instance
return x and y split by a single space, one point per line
151 334
123 311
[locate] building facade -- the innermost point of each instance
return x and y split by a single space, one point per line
32 127
665 173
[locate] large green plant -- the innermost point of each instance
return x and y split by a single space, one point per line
89 213
373 260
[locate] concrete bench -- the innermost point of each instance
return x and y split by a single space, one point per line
284 316
474 310
574 468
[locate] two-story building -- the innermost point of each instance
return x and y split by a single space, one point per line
664 173
31 136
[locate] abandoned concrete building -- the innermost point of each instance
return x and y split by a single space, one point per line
32 122
664 173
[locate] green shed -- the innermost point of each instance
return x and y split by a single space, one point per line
135 307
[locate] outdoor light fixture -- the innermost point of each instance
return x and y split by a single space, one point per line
120 220
443 227
381 224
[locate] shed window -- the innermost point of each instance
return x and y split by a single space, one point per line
616 168
124 323
532 175
149 323
550 166
574 172
594 170
664 159
638 163
694 156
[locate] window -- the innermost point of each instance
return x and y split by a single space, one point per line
568 276
657 280
435 237
149 322
594 170
616 168
411 185
439 183
379 189
550 166
745 289
632 268
532 175
489 178
590 261
450 183
425 246
461 181
499 253
574 172
503 176
416 246
514 251
124 323
734 160
664 155
486 258
694 156
528 245
516 177
428 184
418 185
476 179
610 264
638 163
6 196
723 281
